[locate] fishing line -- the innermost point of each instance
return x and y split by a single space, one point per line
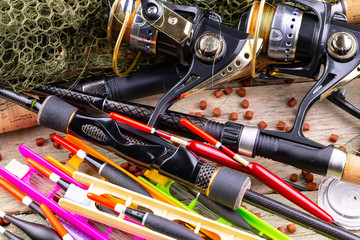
180 193
214 61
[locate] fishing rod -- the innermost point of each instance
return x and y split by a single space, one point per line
152 152
49 116
246 140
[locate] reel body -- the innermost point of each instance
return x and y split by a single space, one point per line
211 51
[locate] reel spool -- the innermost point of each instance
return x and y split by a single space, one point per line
290 33
121 17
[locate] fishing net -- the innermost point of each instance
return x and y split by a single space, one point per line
46 41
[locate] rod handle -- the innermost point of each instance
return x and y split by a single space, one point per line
351 172
352 11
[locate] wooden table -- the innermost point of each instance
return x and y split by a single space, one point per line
269 103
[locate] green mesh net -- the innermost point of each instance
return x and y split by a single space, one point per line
47 41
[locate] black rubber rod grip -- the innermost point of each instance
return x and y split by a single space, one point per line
169 228
55 114
142 84
228 187
34 230
119 178
297 216
298 155
11 236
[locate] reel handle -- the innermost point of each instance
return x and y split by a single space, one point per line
352 11
351 171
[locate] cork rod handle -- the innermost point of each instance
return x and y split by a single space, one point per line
352 170
352 11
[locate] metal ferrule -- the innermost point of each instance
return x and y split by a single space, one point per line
247 140
284 33
337 163
143 36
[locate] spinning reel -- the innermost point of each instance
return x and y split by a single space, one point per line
307 39
212 51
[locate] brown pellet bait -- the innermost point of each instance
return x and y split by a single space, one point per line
228 90
203 104
218 93
138 174
233 116
306 127
39 142
292 102
281 125
191 113
294 177
70 155
249 115
291 228
242 92
304 173
0 157
342 148
132 169
56 145
243 206
282 229
288 128
311 186
52 136
289 80
333 138
125 165
217 112
262 125
309 177
246 82
245 103
198 114
258 215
